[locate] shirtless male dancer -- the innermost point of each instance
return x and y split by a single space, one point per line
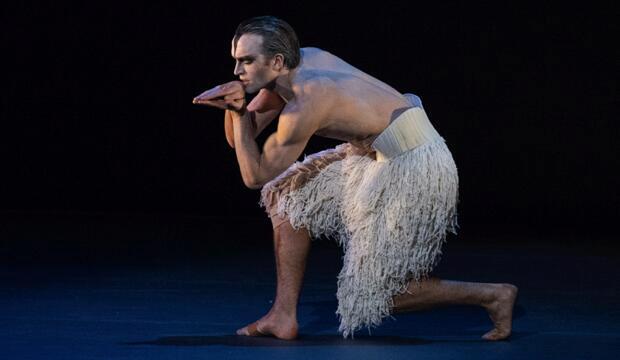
311 91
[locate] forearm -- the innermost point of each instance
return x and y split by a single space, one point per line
248 153
228 128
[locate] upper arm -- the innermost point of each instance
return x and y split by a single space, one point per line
297 123
260 122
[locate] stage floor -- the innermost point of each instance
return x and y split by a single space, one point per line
188 306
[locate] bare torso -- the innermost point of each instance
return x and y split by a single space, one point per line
357 106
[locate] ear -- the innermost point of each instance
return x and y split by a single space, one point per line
278 62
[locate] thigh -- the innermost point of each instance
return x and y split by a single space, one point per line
297 176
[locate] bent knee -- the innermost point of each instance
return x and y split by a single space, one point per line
277 220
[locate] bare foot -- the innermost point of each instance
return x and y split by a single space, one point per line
276 325
500 312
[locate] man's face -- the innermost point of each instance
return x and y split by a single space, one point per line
252 67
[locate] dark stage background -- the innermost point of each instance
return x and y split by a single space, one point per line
103 152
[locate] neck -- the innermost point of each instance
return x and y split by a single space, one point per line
283 84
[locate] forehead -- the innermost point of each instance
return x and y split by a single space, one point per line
248 44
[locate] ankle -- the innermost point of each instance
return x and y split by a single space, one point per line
491 294
284 310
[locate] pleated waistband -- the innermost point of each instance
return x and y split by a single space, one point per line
409 130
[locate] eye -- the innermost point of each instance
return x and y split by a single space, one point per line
247 62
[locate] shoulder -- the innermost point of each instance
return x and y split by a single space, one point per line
312 97
314 56
297 122
311 83
312 50
314 94
311 105
322 60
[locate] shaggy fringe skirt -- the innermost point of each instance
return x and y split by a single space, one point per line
390 217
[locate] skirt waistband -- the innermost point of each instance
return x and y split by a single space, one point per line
409 130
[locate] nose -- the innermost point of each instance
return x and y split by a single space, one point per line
238 69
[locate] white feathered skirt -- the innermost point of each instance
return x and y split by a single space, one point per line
390 215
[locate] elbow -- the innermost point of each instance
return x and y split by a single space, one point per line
252 183
253 186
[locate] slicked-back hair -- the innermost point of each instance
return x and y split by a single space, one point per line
278 38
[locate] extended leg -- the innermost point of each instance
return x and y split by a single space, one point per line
291 249
497 299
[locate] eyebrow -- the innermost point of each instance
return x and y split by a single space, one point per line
244 58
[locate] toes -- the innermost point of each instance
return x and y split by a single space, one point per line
491 335
495 335
266 329
488 336
251 330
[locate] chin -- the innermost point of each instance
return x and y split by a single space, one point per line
250 90
254 86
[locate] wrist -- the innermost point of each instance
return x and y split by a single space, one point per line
238 114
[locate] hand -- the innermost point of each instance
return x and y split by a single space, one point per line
266 100
229 96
